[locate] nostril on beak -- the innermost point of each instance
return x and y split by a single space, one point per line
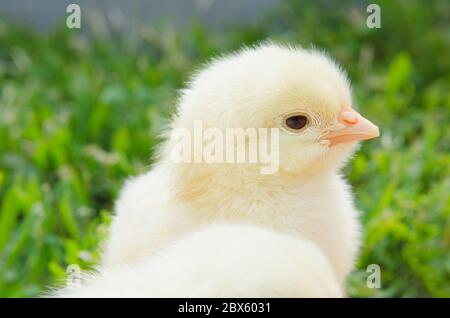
348 118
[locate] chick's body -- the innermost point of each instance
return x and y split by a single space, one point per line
238 224
319 210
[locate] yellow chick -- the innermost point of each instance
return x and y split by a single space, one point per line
196 228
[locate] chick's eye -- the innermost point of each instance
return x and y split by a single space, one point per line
296 122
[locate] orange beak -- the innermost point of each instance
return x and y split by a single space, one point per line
356 127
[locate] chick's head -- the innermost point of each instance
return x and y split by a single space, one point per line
302 92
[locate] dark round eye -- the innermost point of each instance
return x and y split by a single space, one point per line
296 122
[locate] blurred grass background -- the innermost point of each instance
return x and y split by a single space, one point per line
79 113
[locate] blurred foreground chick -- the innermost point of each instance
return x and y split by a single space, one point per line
221 261
298 232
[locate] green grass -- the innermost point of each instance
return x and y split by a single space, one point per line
79 114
